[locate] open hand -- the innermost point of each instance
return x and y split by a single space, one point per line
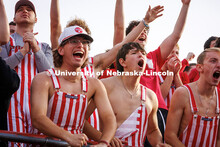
152 14
190 56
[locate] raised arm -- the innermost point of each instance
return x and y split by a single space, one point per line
166 85
4 31
103 60
119 27
185 62
169 43
55 26
177 80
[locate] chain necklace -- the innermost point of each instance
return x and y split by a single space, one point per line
209 104
135 90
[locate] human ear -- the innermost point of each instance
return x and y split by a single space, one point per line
199 67
122 62
61 50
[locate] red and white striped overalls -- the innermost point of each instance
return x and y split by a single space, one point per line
201 131
89 71
19 119
134 128
67 110
170 93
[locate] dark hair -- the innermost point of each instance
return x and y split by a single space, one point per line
131 25
24 3
12 23
57 58
208 42
217 43
124 51
187 68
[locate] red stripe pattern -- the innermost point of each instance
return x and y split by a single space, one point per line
67 110
170 93
19 119
133 129
201 131
89 71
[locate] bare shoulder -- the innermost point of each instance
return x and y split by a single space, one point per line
109 82
109 79
151 102
151 94
42 78
95 83
180 97
182 92
93 80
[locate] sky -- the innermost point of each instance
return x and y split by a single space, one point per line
202 22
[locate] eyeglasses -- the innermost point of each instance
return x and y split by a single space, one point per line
75 42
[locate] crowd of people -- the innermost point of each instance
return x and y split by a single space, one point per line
124 109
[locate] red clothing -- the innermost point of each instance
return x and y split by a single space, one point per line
105 73
201 131
154 64
184 77
193 75
89 71
184 64
67 110
133 130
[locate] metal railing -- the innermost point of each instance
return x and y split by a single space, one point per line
32 139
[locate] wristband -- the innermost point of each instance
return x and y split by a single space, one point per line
105 142
146 25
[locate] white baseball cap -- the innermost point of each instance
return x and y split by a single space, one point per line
73 31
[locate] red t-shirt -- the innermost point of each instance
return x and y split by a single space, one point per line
184 77
154 64
105 73
193 75
184 64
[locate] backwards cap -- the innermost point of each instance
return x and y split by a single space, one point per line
73 31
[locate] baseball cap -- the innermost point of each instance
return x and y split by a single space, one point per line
24 3
73 31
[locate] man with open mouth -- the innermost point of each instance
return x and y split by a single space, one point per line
193 118
59 103
132 102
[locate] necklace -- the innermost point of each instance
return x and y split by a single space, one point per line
135 90
209 104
